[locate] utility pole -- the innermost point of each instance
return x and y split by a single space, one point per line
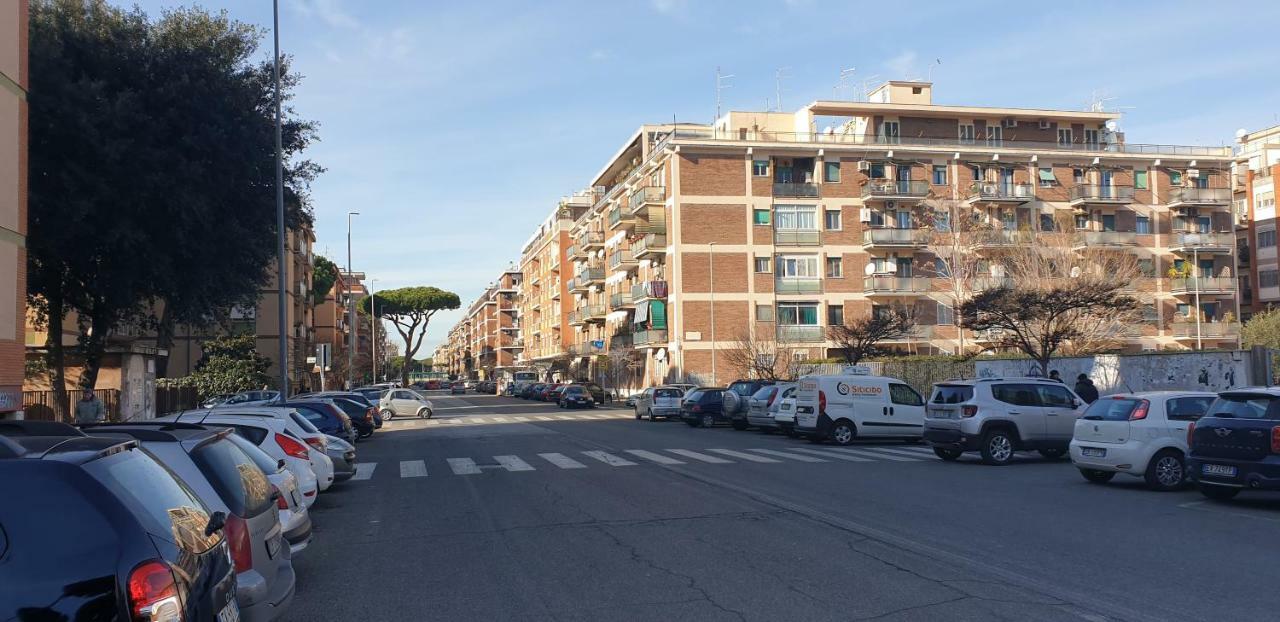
777 86
282 274
373 329
720 86
351 310
711 258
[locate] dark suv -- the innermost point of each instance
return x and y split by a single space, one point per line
703 407
105 532
737 398
1236 445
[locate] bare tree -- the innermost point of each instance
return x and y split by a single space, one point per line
860 339
956 233
765 359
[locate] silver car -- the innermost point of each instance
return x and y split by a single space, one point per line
659 403
764 404
343 455
404 403
295 520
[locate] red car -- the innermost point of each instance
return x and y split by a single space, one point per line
433 385
545 395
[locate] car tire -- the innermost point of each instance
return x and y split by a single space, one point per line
947 454
637 415
1053 453
791 432
843 432
707 421
997 447
1218 493
739 425
388 415
1166 472
1097 477
652 419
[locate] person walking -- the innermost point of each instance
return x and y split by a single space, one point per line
1085 389
90 409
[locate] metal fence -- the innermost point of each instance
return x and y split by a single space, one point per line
172 399
38 405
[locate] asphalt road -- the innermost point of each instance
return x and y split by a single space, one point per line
501 510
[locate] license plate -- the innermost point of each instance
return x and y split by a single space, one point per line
940 414
230 613
1218 469
1093 452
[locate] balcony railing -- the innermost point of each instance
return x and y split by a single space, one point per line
1106 238
1094 193
802 334
620 340
797 285
1207 330
649 338
797 237
1202 242
591 239
575 252
576 285
622 259
645 227
887 284
1203 284
593 313
1003 237
619 217
643 197
587 276
1199 196
895 237
889 189
1001 191
796 190
651 244
649 290
622 300
984 283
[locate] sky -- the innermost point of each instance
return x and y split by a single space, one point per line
454 128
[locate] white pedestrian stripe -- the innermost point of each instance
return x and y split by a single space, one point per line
463 466
364 470
520 418
744 456
870 452
498 419
608 458
413 468
832 454
698 456
788 456
649 455
562 461
564 417
544 418
513 463
917 452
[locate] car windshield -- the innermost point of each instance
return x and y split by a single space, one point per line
693 396
764 393
1112 409
951 393
240 483
667 393
1245 406
745 389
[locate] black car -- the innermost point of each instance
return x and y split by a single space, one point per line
576 395
360 416
703 407
327 418
352 396
596 391
1236 444
737 399
105 532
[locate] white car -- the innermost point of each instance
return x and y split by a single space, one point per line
405 403
295 521
1141 434
843 407
785 416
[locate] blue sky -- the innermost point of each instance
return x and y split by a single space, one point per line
454 128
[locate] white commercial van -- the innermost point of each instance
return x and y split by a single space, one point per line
853 405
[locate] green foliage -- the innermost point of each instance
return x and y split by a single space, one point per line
1263 329
410 309
229 365
323 277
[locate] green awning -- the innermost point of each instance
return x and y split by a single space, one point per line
658 314
1046 174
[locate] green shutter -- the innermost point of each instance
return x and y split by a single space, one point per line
1046 174
657 314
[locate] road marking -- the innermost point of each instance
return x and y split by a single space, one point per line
413 468
520 418
600 416
564 417
789 456
463 466
608 458
513 463
1206 507
697 456
563 461
745 456
914 453
364 470
870 452
498 419
649 455
831 454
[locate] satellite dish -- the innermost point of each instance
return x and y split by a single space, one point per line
1111 126
869 270
1241 133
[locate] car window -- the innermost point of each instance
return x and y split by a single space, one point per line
268 464
1245 406
413 395
743 388
252 432
157 498
1055 397
764 393
790 392
303 423
1111 409
239 482
1016 394
667 393
693 396
1187 408
905 395
351 408
953 393
311 415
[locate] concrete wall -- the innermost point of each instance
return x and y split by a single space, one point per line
1202 371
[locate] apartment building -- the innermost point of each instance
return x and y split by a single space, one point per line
13 202
545 301
486 343
1257 164
771 225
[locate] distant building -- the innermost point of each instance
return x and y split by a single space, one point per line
13 201
1257 166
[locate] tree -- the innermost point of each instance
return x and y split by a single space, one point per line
956 231
1263 329
764 359
229 365
410 310
323 277
860 339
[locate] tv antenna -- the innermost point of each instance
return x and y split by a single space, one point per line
720 86
843 82
777 85
866 85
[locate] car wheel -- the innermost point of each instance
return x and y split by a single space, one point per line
791 432
388 414
1096 476
1052 453
1166 471
997 447
652 419
947 454
637 415
1218 493
843 432
739 424
708 421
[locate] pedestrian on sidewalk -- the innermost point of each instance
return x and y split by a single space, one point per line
1055 376
1085 389
90 409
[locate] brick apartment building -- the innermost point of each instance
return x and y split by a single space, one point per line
770 225
13 201
486 343
333 328
1257 164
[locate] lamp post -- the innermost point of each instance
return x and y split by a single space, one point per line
351 310
711 259
1195 262
373 328
281 274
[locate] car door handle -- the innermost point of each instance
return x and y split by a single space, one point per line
1013 412
1052 414
890 411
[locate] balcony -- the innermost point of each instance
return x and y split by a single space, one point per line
1207 330
589 276
884 284
618 218
511 344
797 285
591 239
649 290
593 313
645 227
622 300
1001 192
1207 243
578 286
1094 193
577 318
1105 239
575 252
802 334
795 190
895 238
1199 197
1204 285
797 237
620 340
919 332
645 197
622 260
649 338
895 190
649 246
984 283
1002 238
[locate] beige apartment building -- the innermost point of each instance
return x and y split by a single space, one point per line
13 202
1257 164
486 343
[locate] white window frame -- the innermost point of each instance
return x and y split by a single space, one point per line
890 132
839 219
1093 138
768 265
766 168
817 319
793 217
836 261
995 135
1065 133
797 267
967 133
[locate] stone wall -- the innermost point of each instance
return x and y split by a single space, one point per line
1111 373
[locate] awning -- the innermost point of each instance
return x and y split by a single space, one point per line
1046 174
659 312
642 313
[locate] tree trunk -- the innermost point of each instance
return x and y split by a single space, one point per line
93 343
57 358
164 341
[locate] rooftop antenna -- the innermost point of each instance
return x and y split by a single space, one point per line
866 86
843 82
777 85
720 86
930 72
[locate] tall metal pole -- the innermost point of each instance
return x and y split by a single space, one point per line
351 310
373 330
711 258
1195 262
281 274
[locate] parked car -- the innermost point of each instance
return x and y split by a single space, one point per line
227 481
551 393
326 417
785 416
458 388
405 403
703 407
765 402
1236 444
249 398
164 540
844 407
433 385
343 456
359 398
630 401
372 394
735 401
574 396
530 391
1000 416
658 403
361 416
295 426
596 391
215 400
1140 434
469 384
295 520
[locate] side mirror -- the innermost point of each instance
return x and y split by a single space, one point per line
1075 403
216 522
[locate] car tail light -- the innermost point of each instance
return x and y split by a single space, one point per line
696 408
291 446
237 532
968 410
1140 412
772 395
1191 434
822 402
280 501
368 416
153 594
1275 440
317 442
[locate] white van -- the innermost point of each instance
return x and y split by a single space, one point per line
846 406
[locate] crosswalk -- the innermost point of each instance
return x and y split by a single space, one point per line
553 461
460 421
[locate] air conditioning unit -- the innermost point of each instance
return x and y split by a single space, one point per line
864 165
890 205
1044 125
1009 122
864 214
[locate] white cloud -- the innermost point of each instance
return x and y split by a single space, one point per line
331 11
669 7
599 55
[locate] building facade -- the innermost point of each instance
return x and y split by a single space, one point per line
486 344
13 202
1257 164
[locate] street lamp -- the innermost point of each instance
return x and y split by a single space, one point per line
351 310
281 273
373 328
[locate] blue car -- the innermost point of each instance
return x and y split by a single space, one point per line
1236 445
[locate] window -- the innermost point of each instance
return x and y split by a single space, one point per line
1147 267
942 221
877 218
1201 182
1187 408
1140 180
764 313
946 315
831 172
1054 396
760 216
966 133
798 314
237 480
1091 138
939 174
890 132
1016 394
1268 278
835 267
762 265
977 172
877 171
791 217
831 220
803 266
835 315
1266 238
1175 178
904 395
760 168
1149 313
995 136
1077 176
1082 221
1047 180
1143 225
1108 222
1046 223
1064 136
